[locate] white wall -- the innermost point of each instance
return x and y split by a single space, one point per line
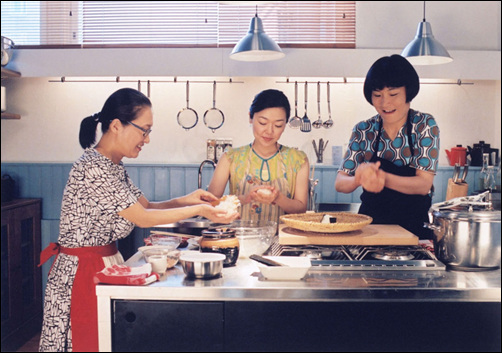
51 112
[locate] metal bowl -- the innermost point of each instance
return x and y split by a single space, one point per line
201 265
7 46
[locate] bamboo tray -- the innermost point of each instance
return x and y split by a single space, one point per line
311 222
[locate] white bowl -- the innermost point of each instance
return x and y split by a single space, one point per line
296 268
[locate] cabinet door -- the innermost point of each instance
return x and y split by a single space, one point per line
161 326
21 278
28 220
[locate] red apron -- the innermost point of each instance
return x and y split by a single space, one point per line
84 304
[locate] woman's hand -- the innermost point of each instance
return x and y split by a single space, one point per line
370 177
197 197
264 194
218 216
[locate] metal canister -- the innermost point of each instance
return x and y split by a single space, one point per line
222 241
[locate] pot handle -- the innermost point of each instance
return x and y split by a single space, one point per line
431 226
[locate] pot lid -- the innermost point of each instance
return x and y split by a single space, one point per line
477 207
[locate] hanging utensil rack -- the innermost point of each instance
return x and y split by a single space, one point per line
345 80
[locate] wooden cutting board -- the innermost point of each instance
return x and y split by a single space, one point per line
373 234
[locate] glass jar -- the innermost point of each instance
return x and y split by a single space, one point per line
222 241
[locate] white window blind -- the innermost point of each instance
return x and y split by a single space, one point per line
175 23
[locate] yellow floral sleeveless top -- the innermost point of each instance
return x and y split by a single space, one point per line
248 169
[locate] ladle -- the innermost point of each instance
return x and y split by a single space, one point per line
295 121
328 123
318 123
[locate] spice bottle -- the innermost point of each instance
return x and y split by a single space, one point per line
210 154
220 146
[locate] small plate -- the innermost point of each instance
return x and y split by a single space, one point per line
296 268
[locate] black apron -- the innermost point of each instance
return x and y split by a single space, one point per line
393 207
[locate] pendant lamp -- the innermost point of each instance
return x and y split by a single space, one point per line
424 49
256 45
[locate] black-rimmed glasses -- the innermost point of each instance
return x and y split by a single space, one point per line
145 132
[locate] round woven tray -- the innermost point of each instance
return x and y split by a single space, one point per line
311 222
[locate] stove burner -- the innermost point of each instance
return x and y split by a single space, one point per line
313 255
392 255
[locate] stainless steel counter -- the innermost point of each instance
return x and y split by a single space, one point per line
244 283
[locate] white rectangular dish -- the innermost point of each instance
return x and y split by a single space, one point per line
295 268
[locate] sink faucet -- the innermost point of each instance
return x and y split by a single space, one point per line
204 162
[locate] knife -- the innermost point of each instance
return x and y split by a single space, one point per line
265 261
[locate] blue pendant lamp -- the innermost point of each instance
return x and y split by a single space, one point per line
424 49
256 45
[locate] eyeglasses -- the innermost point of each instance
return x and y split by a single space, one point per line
145 132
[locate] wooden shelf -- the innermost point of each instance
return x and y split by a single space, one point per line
10 116
9 73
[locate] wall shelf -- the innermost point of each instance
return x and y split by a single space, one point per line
6 73
10 116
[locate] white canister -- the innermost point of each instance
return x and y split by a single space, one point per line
4 104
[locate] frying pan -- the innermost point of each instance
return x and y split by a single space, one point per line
213 117
187 117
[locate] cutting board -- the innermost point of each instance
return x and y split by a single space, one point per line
373 234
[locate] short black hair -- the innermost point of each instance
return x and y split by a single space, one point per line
392 71
270 98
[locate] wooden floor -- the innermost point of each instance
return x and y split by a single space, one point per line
31 345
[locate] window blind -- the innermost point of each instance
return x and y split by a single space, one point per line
175 23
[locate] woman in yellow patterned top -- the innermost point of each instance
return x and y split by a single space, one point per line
270 179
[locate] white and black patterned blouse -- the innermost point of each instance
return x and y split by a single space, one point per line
97 189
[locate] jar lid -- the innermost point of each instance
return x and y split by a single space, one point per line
217 233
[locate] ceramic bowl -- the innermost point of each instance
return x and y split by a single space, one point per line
295 268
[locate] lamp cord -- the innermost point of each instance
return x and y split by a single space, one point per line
424 12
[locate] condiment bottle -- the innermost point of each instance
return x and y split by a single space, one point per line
222 241
487 175
210 154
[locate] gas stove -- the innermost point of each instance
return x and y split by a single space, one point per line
358 257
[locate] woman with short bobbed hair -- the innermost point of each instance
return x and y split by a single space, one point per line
394 155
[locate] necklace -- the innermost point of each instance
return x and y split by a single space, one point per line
265 168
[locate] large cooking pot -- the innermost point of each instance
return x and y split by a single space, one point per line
466 233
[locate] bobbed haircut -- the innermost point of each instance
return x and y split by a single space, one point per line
270 98
392 71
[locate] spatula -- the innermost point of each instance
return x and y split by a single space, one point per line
306 126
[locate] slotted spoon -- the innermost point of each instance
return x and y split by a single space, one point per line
328 123
306 126
318 123
295 121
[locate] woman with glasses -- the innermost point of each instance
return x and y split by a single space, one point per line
101 205
270 179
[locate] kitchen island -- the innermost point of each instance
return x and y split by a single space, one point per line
436 310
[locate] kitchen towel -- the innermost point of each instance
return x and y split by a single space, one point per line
125 275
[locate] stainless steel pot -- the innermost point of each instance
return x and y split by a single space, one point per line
466 234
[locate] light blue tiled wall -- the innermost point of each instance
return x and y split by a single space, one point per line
161 182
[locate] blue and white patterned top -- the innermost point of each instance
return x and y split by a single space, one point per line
424 133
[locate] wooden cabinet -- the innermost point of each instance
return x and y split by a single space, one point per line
21 277
6 73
